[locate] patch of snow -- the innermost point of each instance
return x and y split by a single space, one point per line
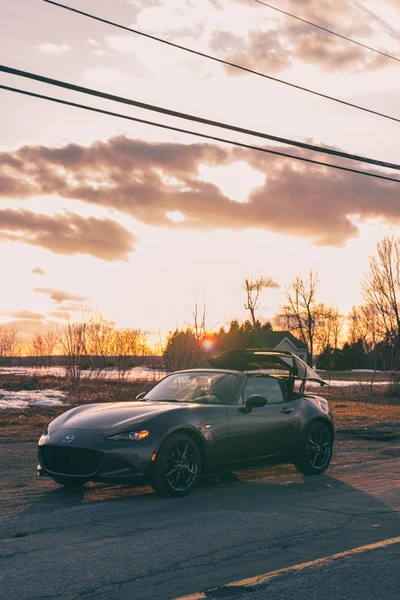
15 403
106 373
348 383
365 371
27 398
337 383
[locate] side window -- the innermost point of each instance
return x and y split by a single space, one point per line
265 386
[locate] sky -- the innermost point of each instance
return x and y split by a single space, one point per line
141 223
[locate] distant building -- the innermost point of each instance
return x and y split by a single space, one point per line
284 340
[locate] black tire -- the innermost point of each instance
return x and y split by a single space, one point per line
72 482
314 454
177 467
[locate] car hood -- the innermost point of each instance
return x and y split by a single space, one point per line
118 416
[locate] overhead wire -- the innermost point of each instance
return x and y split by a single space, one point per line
197 134
288 14
225 62
196 119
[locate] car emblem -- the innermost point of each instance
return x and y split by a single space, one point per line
68 438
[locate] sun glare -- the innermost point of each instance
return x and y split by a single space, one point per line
208 343
235 181
175 216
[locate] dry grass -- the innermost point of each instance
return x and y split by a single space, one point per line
30 422
356 415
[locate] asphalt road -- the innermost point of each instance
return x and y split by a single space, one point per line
270 533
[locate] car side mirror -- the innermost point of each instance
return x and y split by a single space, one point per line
141 395
256 401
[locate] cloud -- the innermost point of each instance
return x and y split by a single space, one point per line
59 296
29 327
264 50
332 54
65 312
151 181
393 3
280 41
24 314
384 25
67 233
57 49
38 271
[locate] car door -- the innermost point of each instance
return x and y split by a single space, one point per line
264 431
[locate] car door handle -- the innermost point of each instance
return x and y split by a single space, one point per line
287 410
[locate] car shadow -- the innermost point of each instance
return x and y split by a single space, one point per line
66 497
271 485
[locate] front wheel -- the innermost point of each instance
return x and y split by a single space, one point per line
315 453
177 467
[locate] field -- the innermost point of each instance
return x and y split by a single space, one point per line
29 423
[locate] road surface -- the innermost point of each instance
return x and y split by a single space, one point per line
269 533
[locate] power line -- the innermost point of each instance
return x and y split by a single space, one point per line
188 117
327 30
194 133
226 62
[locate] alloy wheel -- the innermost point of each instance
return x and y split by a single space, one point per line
319 448
182 466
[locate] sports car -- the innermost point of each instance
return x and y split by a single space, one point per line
248 410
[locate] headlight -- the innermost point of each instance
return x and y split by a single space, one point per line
129 436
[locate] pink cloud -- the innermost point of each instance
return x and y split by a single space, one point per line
148 181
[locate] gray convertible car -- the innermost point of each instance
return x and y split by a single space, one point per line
248 410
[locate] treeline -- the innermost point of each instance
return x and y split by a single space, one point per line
187 348
368 337
91 343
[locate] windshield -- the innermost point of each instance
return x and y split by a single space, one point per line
200 387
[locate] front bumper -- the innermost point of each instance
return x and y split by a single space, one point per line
91 457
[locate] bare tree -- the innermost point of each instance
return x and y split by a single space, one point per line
73 340
329 328
199 328
50 343
74 343
42 347
99 342
302 313
363 325
36 348
253 289
9 344
380 287
129 348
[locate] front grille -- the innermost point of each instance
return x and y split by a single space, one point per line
71 461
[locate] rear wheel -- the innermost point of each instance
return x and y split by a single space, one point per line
70 481
177 467
315 453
